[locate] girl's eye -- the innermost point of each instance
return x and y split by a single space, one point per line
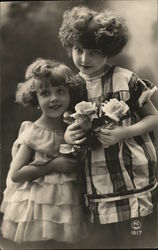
61 91
44 93
79 50
95 52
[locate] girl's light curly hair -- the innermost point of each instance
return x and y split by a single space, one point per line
94 30
45 72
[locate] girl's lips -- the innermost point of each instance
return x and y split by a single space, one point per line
86 66
55 107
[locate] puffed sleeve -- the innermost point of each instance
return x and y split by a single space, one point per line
140 93
43 142
25 126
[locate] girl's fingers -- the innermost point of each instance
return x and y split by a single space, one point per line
77 134
74 126
105 131
104 138
77 138
105 144
80 141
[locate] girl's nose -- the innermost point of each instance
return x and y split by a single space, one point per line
84 57
53 98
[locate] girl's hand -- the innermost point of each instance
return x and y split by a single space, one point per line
64 164
110 137
21 171
74 134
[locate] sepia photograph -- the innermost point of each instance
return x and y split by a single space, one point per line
79 124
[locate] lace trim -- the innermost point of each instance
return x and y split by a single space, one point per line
90 79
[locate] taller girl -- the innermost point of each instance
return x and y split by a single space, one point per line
120 174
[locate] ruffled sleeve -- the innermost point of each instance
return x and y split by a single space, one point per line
20 140
140 93
39 139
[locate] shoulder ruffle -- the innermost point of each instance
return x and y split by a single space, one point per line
20 140
39 139
135 91
141 92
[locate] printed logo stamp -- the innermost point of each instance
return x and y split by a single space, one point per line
136 227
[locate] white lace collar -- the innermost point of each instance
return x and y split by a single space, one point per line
90 79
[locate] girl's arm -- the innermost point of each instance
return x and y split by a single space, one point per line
148 123
22 171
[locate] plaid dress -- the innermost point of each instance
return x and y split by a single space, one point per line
120 181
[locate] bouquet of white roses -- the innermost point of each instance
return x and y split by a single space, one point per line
91 116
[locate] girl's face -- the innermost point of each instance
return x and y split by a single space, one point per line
53 100
89 62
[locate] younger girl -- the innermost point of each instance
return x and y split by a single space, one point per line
120 182
42 200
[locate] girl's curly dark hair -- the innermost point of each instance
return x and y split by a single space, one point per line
94 30
44 72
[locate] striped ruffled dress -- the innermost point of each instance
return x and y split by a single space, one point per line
120 181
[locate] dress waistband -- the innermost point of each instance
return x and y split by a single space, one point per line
122 195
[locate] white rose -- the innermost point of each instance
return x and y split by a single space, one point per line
115 109
85 108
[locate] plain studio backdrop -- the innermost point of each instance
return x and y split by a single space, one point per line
29 29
